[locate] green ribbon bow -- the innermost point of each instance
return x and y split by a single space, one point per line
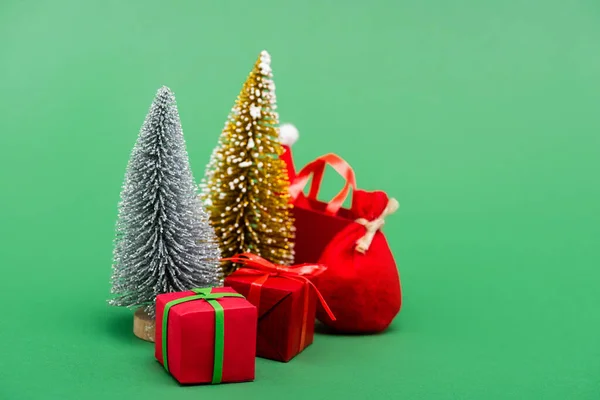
211 298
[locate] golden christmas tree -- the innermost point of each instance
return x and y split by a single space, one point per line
246 184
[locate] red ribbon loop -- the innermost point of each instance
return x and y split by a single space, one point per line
316 168
256 265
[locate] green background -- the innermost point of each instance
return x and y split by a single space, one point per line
481 117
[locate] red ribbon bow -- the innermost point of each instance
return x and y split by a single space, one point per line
263 269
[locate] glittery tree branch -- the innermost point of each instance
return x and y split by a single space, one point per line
246 184
164 241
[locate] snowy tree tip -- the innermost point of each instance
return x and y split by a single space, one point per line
264 63
288 134
164 90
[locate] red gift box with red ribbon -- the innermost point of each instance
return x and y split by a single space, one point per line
286 300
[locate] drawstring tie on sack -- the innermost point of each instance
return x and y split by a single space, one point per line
363 244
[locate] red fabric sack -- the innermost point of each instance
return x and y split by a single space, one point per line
286 300
361 284
209 336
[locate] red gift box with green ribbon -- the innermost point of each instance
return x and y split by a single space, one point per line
286 300
206 336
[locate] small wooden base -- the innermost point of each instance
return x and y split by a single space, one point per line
143 325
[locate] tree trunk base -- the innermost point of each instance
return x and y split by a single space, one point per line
143 325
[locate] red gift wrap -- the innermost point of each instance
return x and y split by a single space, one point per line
286 300
193 335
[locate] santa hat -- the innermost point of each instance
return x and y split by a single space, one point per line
288 135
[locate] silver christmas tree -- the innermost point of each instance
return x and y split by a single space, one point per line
164 241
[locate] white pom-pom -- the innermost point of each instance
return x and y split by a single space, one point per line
288 134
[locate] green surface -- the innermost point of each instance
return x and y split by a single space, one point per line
481 117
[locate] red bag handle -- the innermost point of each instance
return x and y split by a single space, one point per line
316 168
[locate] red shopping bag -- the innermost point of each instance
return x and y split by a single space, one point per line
361 283
318 222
